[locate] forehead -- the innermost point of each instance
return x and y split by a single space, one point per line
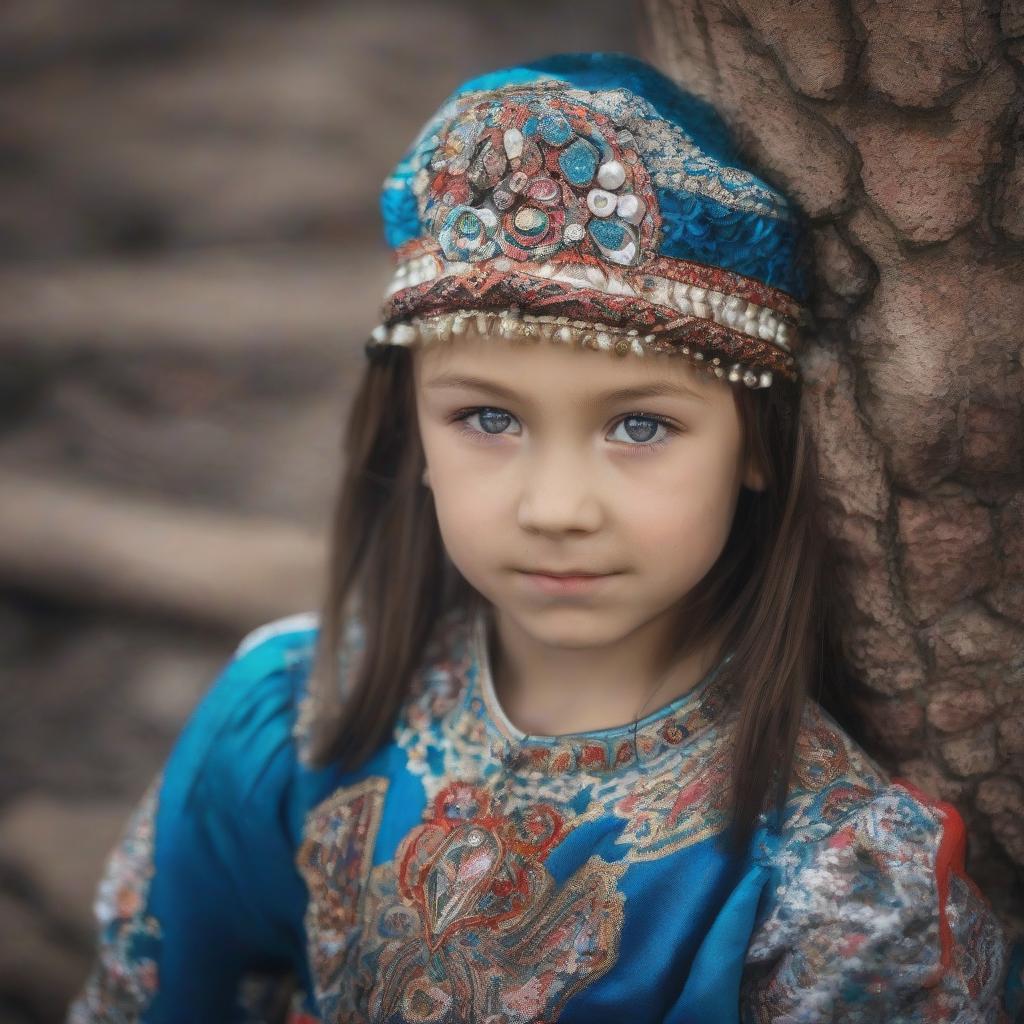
549 368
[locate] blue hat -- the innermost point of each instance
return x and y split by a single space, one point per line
587 198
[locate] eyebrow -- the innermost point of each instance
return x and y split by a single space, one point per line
653 390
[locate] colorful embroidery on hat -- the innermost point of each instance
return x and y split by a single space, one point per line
532 174
591 191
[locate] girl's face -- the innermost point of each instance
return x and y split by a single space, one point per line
535 465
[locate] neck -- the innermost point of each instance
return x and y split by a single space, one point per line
547 690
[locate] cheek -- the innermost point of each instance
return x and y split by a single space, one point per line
687 517
468 516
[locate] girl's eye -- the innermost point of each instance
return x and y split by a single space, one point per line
640 427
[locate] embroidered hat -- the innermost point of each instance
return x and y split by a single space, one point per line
586 198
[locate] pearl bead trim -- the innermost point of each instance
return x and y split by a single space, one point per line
729 310
513 324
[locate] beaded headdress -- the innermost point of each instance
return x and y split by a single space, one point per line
586 198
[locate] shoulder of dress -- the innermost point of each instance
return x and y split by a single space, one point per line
840 799
832 777
241 730
885 886
298 630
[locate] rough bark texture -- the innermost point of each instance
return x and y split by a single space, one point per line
899 128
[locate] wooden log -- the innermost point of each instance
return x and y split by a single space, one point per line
82 544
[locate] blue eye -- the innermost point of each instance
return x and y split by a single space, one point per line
494 420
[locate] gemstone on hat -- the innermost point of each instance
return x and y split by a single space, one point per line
616 240
530 220
544 190
555 129
468 232
631 208
579 162
513 139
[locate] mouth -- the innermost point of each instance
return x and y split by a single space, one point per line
565 584
566 573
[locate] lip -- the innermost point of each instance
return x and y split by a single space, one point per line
549 583
565 572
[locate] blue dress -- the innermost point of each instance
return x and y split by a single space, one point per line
470 873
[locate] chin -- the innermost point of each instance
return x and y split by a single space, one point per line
565 624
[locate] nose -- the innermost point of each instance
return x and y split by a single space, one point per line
558 492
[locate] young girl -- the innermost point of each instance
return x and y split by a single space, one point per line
557 745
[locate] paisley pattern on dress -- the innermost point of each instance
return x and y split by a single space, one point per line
856 930
335 859
465 923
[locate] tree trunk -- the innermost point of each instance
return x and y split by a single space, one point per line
898 127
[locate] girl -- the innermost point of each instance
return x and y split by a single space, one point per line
557 746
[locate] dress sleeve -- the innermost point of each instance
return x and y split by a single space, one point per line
194 906
876 920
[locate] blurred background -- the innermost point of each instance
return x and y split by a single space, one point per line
190 262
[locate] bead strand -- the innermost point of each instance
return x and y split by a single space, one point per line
513 324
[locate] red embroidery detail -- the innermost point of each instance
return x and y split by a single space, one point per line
950 857
497 290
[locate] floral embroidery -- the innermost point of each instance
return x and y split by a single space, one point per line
125 978
334 860
466 922
531 174
448 727
673 810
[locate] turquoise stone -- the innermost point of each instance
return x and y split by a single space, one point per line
578 163
555 129
618 242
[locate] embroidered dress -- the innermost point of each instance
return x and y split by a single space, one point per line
469 873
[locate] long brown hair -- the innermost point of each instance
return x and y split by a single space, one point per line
769 594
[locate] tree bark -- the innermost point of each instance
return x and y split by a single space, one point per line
898 127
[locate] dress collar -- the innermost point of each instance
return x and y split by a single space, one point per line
598 750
